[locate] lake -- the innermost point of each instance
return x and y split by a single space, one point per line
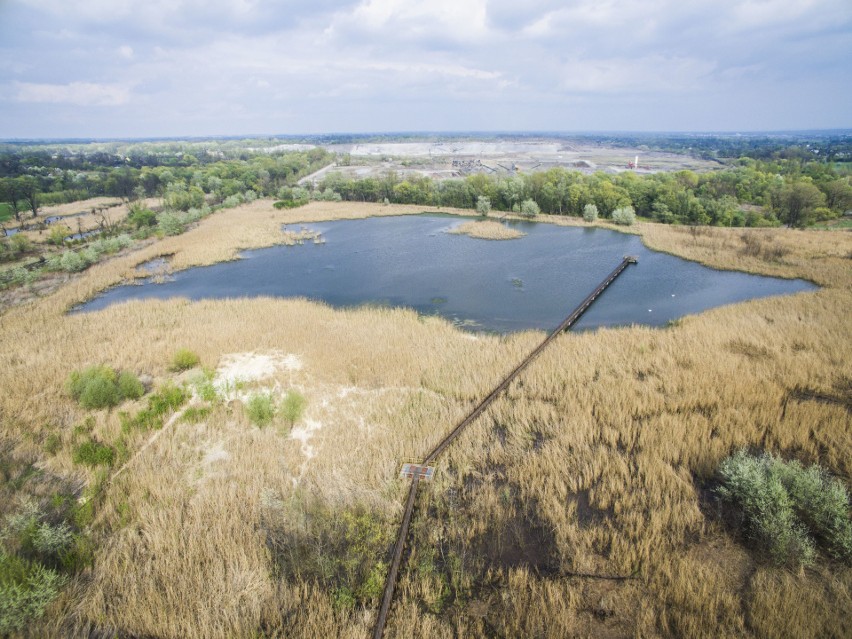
502 286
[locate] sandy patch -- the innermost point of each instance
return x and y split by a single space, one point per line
251 367
303 433
215 453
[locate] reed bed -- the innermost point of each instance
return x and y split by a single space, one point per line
487 230
600 460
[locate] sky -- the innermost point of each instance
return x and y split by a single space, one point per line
174 68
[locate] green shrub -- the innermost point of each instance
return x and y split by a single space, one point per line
530 208
52 540
783 503
141 217
21 243
129 385
206 390
822 503
57 234
72 262
293 406
168 398
260 410
26 589
79 555
93 453
95 387
183 360
289 204
170 223
625 216
590 212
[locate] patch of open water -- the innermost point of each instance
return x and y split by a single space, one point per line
503 286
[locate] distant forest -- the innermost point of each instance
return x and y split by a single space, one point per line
762 180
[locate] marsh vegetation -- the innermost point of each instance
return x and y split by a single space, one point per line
187 519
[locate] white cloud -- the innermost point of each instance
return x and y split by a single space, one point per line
652 74
76 93
125 52
401 19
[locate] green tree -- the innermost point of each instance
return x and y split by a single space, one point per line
29 192
10 192
529 208
797 203
590 213
483 205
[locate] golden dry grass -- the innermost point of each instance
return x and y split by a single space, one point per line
78 207
487 230
603 445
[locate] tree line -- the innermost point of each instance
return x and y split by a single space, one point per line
749 193
182 185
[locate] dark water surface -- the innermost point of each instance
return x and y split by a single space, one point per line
531 282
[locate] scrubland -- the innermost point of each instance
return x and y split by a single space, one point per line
599 462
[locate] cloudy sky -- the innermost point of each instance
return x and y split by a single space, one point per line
142 68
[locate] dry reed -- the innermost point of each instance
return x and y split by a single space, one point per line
487 230
604 448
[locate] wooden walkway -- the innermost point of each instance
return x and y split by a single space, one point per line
569 321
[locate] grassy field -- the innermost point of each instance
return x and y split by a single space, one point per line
600 460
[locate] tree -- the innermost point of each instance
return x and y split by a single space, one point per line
590 213
529 208
10 192
483 205
512 191
798 200
29 192
624 215
838 195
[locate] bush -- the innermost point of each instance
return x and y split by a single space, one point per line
783 502
625 216
822 503
529 208
183 360
260 410
26 589
168 398
20 243
590 213
129 385
93 453
102 387
141 217
57 234
293 406
232 200
95 387
328 195
72 262
204 386
170 223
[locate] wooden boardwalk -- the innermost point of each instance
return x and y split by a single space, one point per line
390 583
